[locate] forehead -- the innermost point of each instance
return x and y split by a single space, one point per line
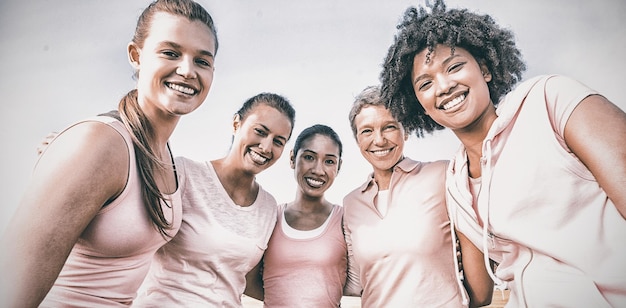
270 117
373 113
193 35
440 53
320 144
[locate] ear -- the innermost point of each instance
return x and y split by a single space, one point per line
486 73
133 55
292 160
236 122
339 164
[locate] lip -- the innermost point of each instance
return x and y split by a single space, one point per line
307 179
451 98
256 157
181 87
381 152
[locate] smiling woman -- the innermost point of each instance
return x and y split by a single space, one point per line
459 69
228 217
67 60
396 225
86 236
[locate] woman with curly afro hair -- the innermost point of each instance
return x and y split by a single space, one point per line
538 182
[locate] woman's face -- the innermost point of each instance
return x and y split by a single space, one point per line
316 165
452 88
260 138
380 137
175 65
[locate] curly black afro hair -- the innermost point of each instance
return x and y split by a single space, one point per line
490 44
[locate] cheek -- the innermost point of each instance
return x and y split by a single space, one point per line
425 99
207 79
362 144
278 151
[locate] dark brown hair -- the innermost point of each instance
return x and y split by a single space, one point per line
419 29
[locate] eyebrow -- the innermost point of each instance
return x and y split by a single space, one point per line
178 46
311 151
445 62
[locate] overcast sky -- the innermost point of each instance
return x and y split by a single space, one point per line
66 60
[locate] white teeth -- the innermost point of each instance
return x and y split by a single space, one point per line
381 152
183 89
454 102
314 183
258 158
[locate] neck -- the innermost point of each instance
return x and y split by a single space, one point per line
308 204
472 138
240 186
383 178
473 135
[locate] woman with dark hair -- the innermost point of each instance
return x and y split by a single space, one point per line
104 195
305 261
538 183
227 216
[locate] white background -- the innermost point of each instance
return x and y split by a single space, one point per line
65 60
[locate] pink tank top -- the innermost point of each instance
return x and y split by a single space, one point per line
113 254
306 272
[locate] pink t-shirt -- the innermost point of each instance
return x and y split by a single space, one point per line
307 272
113 255
218 243
558 238
404 258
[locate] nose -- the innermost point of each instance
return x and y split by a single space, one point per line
266 145
186 68
318 167
444 84
379 137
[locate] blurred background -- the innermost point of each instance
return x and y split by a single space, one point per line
64 61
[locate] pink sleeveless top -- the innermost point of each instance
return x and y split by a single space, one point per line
113 254
306 272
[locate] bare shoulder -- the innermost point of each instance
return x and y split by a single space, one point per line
91 152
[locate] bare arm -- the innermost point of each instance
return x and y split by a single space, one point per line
596 133
353 282
254 283
477 282
82 169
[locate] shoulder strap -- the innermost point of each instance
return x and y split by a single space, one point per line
113 114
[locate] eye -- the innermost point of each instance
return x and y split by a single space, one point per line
455 67
330 162
204 62
278 142
391 127
170 53
307 157
424 85
260 132
365 131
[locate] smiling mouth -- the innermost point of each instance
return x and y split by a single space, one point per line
453 103
257 158
314 183
381 152
180 88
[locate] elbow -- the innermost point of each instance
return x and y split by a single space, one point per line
482 299
480 302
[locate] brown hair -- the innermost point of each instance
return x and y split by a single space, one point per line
136 121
